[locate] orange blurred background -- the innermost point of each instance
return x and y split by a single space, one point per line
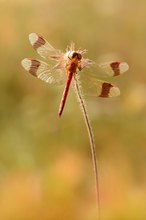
45 162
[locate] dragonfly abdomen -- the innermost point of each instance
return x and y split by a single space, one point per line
65 93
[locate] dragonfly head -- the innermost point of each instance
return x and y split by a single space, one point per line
74 54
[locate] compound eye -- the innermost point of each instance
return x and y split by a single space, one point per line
79 56
74 54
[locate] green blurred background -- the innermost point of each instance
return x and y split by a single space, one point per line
45 162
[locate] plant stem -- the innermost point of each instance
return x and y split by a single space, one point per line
79 94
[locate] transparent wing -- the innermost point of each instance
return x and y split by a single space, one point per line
86 63
41 45
90 83
42 71
114 68
99 88
111 68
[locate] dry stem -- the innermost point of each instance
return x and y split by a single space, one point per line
91 137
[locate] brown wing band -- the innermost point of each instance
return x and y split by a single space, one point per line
34 67
105 89
40 41
115 68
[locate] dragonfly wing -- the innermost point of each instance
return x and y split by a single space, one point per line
114 68
86 63
42 71
111 68
41 45
106 89
93 87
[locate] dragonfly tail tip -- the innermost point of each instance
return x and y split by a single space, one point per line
59 114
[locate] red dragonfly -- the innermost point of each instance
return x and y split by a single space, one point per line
68 65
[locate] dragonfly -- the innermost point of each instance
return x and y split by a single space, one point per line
68 65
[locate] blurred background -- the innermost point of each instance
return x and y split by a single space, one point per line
45 162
